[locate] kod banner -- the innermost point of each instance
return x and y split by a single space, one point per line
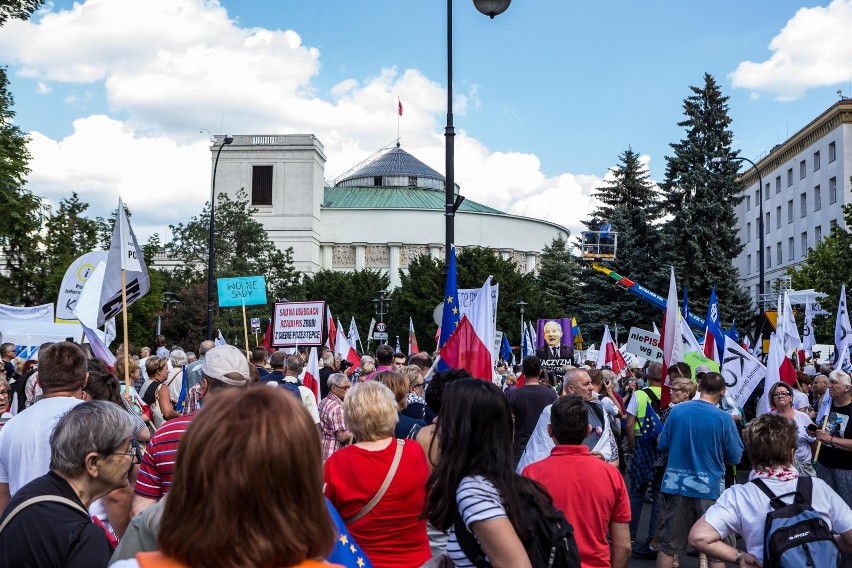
298 323
42 313
75 279
241 291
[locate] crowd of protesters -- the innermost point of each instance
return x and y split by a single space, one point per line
230 460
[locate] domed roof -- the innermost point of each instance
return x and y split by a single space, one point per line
395 163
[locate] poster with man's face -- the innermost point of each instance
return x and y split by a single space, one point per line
555 343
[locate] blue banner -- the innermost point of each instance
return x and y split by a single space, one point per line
244 290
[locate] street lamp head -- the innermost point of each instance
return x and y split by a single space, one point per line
719 160
492 8
228 139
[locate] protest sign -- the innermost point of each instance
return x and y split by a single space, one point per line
645 344
298 323
695 359
244 290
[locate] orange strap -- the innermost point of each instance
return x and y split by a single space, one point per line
160 560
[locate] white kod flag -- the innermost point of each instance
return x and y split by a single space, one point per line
842 328
741 370
808 339
124 254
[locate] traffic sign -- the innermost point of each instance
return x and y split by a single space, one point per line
380 336
382 327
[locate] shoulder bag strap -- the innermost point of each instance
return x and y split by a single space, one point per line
651 395
774 500
42 499
385 484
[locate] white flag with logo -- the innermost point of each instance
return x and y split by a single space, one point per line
687 338
353 335
790 334
741 370
842 328
808 339
124 254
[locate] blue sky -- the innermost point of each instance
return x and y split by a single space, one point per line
548 94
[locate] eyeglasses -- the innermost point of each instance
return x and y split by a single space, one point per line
417 386
678 389
347 387
777 394
131 453
4 393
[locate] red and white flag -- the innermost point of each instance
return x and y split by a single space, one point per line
778 368
469 347
412 341
670 338
310 374
609 355
332 329
343 348
400 107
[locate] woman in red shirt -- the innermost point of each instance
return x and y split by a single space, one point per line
392 533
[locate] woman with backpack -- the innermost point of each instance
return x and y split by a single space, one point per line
495 516
747 509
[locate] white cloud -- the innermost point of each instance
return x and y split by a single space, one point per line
809 52
42 88
170 67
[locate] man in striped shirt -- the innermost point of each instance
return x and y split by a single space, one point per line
223 367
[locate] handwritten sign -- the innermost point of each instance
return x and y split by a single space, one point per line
244 290
298 323
645 344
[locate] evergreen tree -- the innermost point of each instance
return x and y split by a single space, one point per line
18 9
559 277
700 239
631 203
68 234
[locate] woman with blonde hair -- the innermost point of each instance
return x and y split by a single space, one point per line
378 484
406 426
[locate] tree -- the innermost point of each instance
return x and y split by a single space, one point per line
242 248
68 233
631 202
559 277
18 9
700 239
827 266
21 212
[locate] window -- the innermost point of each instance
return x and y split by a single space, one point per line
778 217
756 197
791 248
261 185
778 184
832 190
804 245
817 235
377 181
803 205
816 161
412 181
757 229
778 257
790 211
767 224
789 177
748 232
768 257
748 202
803 169
817 199
766 192
832 152
748 264
833 224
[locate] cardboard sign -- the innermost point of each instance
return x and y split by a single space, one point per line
241 291
298 323
645 344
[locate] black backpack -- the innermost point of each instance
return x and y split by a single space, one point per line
552 544
795 535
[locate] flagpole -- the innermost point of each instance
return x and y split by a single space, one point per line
245 332
126 349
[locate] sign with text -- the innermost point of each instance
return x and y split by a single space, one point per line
241 291
645 344
298 323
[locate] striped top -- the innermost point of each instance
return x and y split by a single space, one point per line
158 462
477 500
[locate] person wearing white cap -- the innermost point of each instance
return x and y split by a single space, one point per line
223 367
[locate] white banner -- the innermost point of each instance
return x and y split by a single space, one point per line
741 370
43 312
298 323
72 284
468 295
645 344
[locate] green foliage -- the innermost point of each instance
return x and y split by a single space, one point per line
18 9
826 268
68 234
700 240
242 248
559 277
631 202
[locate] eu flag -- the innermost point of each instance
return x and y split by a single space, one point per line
451 315
505 349
650 427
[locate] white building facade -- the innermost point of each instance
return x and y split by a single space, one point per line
805 185
379 216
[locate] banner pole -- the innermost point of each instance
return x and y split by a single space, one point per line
127 391
245 333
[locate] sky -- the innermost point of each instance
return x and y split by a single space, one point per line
118 96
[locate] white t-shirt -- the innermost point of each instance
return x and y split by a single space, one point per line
803 443
609 407
478 500
308 399
800 400
25 441
742 509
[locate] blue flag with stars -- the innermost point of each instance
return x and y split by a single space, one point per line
650 427
451 316
346 551
505 349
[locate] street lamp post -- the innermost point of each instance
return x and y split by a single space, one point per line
168 301
381 303
760 228
521 305
225 141
490 8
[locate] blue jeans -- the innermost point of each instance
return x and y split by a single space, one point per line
637 499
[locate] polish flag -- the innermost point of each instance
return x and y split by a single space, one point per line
267 337
778 368
469 347
412 340
670 337
310 374
609 355
345 349
332 329
400 107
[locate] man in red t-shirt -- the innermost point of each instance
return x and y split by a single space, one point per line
595 501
